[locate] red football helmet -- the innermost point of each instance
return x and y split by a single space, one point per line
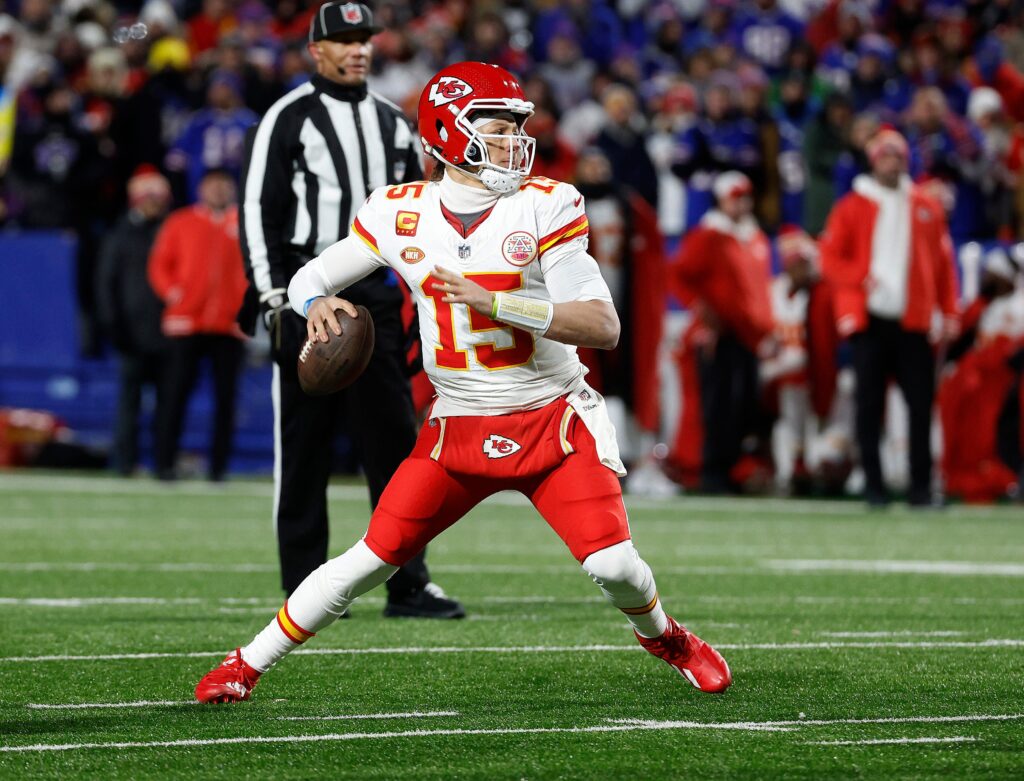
464 96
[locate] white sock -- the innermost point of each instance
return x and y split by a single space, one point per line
628 583
323 596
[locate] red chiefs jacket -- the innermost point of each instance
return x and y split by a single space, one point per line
196 267
845 247
728 268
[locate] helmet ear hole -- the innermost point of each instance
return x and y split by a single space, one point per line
442 131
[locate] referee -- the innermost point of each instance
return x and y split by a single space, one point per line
312 161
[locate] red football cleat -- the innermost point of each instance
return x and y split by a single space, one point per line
691 657
233 681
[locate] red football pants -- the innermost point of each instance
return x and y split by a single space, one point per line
458 462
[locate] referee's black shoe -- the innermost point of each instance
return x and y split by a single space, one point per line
428 602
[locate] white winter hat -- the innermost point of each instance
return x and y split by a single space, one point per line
731 184
983 101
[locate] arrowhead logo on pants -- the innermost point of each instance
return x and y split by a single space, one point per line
497 446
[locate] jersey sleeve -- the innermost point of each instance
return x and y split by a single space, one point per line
342 264
570 273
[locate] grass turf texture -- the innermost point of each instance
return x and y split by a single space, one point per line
767 582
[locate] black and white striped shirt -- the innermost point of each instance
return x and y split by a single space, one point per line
312 160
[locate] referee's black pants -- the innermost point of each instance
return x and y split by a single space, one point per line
883 351
380 418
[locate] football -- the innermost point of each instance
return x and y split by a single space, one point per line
327 367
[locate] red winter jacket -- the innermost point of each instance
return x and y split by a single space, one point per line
196 267
845 247
729 271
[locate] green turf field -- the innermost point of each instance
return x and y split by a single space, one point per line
875 646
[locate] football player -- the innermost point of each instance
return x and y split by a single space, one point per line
506 290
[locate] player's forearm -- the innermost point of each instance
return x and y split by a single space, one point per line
585 324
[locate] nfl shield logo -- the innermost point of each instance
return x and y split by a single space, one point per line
352 13
463 251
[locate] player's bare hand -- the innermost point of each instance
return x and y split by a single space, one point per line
459 290
320 317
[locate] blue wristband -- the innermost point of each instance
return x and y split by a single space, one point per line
305 307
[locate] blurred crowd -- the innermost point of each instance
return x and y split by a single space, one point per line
644 104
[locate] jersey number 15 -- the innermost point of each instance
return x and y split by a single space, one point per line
447 354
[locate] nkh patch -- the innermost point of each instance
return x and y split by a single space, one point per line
412 254
497 446
447 89
352 13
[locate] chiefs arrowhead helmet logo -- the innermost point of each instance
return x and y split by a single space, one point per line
497 446
447 89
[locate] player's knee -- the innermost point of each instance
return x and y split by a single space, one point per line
353 573
614 565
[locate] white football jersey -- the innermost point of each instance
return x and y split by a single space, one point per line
480 366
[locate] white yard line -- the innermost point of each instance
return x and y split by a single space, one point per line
75 602
94 705
624 725
31 482
118 566
778 567
901 633
833 722
890 741
897 566
992 643
357 716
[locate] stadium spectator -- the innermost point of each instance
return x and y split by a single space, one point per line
539 398
824 143
718 142
999 140
215 136
947 150
623 141
791 115
324 127
489 42
801 372
853 161
568 73
888 255
251 57
974 397
874 84
839 58
592 23
764 33
555 157
196 269
722 271
763 165
57 171
203 31
628 248
129 311
989 68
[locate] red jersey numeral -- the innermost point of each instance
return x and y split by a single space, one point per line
542 183
401 190
448 356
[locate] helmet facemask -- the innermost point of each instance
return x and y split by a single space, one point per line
518 147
